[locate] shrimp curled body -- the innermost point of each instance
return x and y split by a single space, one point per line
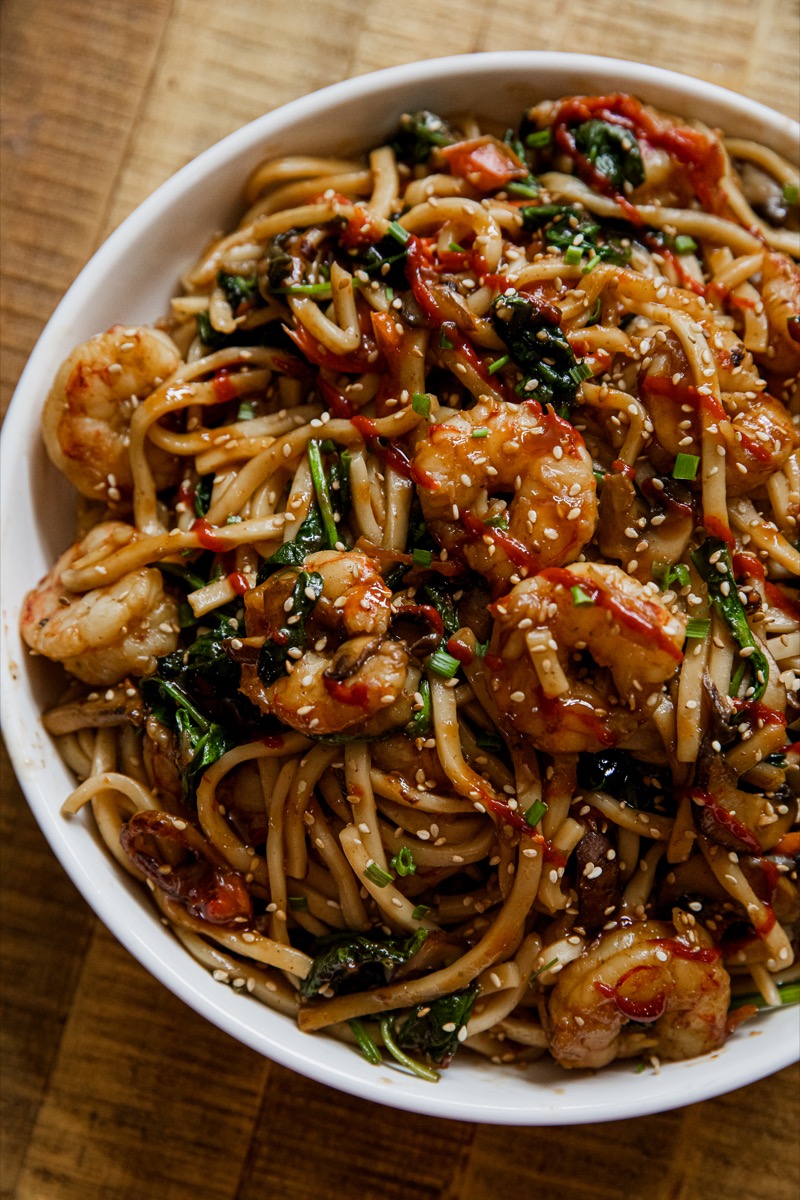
110 632
352 675
643 972
473 458
559 676
86 416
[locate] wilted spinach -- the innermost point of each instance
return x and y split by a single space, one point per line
539 349
349 962
274 653
612 150
419 133
432 1029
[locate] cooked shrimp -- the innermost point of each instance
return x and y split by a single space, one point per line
351 675
110 632
87 412
781 296
470 463
645 972
761 436
559 675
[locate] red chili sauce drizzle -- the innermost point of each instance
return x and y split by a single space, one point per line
224 387
700 154
346 692
635 1010
722 816
515 551
238 582
747 564
396 458
632 615
273 740
206 536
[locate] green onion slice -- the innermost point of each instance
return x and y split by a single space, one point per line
442 663
534 814
698 627
421 403
376 874
686 466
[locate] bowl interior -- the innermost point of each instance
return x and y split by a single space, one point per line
131 279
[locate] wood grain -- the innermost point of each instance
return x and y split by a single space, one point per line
111 1087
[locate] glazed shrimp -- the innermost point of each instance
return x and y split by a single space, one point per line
87 412
585 613
110 632
645 972
351 675
468 465
756 429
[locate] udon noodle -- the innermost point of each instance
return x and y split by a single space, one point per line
432 635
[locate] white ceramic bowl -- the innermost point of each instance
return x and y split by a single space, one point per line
130 280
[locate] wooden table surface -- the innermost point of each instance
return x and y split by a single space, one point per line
111 1087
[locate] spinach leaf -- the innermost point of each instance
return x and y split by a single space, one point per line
420 723
310 537
275 651
539 348
730 608
350 962
238 289
562 223
432 1029
200 741
436 594
612 150
419 133
202 494
385 258
339 477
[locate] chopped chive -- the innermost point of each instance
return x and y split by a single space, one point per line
482 432
546 967
599 477
535 813
303 289
456 248
498 364
391 1045
580 598
668 575
298 903
403 862
421 404
246 411
541 137
376 874
442 663
684 244
698 627
499 522
323 495
573 255
368 1047
639 1068
233 519
685 466
591 264
420 911
580 372
518 187
422 558
444 341
395 230
389 291
790 193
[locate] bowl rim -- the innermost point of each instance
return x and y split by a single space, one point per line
638 1095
